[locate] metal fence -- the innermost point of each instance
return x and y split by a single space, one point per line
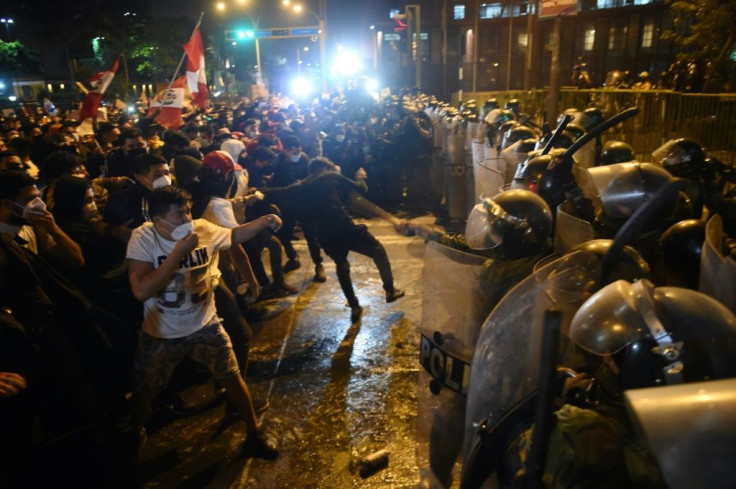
709 119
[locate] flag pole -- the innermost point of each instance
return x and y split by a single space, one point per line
181 62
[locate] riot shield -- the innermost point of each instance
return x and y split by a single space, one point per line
455 304
717 272
505 364
701 451
489 175
488 150
570 230
455 174
585 156
513 156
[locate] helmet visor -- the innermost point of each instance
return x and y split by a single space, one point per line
610 319
486 225
670 154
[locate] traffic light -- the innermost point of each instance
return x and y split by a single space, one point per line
239 35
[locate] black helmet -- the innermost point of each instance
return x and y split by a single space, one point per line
678 254
589 118
469 105
657 336
535 176
576 130
630 265
500 117
502 130
517 221
490 104
617 152
682 157
621 188
517 133
513 105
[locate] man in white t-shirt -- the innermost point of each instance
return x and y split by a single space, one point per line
173 271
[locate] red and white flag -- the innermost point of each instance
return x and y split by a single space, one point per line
196 79
167 106
99 83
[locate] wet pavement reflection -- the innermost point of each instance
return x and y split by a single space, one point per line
338 392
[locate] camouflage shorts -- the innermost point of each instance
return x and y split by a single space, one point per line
156 358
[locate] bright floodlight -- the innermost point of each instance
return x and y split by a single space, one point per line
301 87
220 5
12 98
298 8
347 63
371 84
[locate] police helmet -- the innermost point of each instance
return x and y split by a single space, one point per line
656 336
490 104
534 175
588 118
518 222
517 133
617 152
513 105
576 130
678 254
630 265
681 157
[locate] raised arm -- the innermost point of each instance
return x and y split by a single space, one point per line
146 281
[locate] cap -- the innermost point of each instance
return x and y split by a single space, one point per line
220 162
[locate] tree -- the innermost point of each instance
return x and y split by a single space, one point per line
705 30
16 59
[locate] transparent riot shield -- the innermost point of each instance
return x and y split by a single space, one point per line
439 155
717 272
488 150
455 305
514 156
505 366
490 175
701 451
455 174
585 156
570 230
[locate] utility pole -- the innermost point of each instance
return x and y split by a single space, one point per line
414 14
529 47
553 95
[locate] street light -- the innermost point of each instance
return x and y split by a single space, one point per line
7 23
322 21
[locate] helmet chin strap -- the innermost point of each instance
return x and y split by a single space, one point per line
666 346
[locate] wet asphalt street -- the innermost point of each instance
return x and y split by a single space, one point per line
337 391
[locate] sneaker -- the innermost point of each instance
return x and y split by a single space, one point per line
273 292
319 274
356 312
291 265
394 294
289 289
260 445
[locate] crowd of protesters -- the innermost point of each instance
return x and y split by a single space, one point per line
89 289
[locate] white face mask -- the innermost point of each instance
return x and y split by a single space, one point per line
340 138
181 231
161 181
36 207
295 158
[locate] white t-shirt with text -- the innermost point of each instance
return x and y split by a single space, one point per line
187 303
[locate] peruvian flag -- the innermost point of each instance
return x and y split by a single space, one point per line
167 106
99 83
196 79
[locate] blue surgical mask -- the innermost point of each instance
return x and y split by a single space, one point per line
295 158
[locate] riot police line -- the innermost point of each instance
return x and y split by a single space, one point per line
633 260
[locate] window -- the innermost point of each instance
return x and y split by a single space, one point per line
523 40
589 39
647 35
458 12
617 37
497 10
603 4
